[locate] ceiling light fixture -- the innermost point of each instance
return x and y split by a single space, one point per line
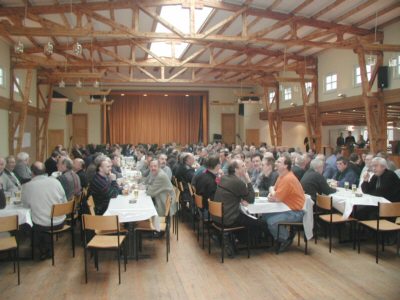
122 94
144 95
104 99
61 84
78 84
91 99
48 48
96 84
77 49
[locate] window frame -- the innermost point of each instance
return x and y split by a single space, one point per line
287 91
15 88
271 93
331 82
2 78
357 68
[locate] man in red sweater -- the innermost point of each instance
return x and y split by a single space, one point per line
289 191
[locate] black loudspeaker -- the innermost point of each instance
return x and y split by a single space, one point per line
217 137
383 77
241 109
68 108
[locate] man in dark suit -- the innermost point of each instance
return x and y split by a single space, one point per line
313 182
51 162
340 140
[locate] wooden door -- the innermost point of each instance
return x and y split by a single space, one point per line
228 128
253 137
54 137
79 129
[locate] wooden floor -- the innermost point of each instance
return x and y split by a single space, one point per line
193 274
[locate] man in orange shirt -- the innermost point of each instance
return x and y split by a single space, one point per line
289 191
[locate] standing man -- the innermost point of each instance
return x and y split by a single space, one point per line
350 140
103 186
340 140
40 194
289 191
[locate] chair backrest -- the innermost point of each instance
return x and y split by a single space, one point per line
175 181
387 210
90 204
93 222
324 202
63 209
177 194
215 208
9 223
192 189
167 205
198 201
180 186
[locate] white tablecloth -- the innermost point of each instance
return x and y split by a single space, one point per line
24 214
344 201
263 206
142 210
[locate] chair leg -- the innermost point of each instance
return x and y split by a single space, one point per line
306 244
222 247
358 238
248 243
17 258
377 246
52 249
330 237
277 248
125 254
177 227
85 261
96 259
119 267
73 241
383 241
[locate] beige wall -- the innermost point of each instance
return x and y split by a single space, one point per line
4 92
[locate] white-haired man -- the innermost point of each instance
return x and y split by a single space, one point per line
22 170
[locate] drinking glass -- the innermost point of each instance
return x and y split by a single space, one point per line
354 188
346 185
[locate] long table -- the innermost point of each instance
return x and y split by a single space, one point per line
344 201
24 214
127 212
263 206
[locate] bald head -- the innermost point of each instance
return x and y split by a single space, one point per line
38 168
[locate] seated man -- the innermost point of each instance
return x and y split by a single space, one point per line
103 186
116 165
9 171
159 187
289 191
51 162
39 195
79 169
268 176
313 182
22 170
344 173
299 166
5 181
162 159
233 190
68 178
383 183
257 169
206 182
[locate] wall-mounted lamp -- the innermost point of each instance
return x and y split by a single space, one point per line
340 95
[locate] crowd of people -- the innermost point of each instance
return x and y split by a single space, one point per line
230 175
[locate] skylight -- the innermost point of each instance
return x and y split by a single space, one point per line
179 18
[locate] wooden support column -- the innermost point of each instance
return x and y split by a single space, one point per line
43 103
21 120
306 110
375 111
274 119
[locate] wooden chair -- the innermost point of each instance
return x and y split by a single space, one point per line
325 203
90 204
147 226
381 226
198 202
175 217
103 242
216 210
10 244
59 210
299 226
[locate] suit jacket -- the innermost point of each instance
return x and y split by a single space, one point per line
387 185
347 175
313 183
231 191
22 172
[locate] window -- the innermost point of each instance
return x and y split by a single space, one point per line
358 74
331 82
178 16
287 94
271 96
15 86
2 81
389 135
308 86
398 65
